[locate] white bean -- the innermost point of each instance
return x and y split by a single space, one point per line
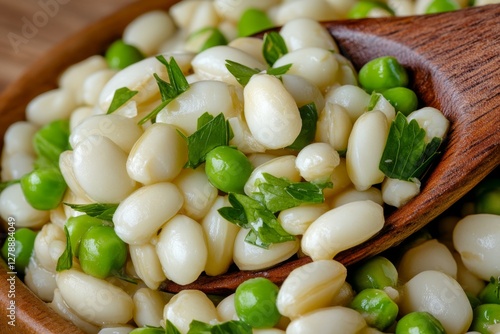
66 168
429 255
346 74
50 243
147 264
93 85
330 320
317 65
440 295
353 98
352 195
19 138
73 77
116 330
339 179
303 91
232 10
310 287
79 115
334 126
249 257
226 310
211 63
467 280
14 204
99 166
271 112
279 167
199 194
251 45
15 165
123 131
182 249
342 228
139 216
93 299
318 10
189 305
194 16
399 192
41 281
50 106
432 121
210 96
365 148
296 220
220 235
61 308
344 296
149 162
148 31
139 77
305 32
317 161
243 139
148 307
386 107
477 239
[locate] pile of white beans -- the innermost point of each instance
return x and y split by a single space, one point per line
167 214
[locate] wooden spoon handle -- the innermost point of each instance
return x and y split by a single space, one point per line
453 59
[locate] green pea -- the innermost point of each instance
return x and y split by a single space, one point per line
440 6
255 303
19 247
77 227
419 323
382 73
363 8
484 316
51 140
227 169
253 21
377 273
491 292
120 55
488 197
44 188
402 99
102 252
378 309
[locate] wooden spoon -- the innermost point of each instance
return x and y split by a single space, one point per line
454 62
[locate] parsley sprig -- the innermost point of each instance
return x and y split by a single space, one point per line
120 97
199 327
102 211
168 90
258 213
406 154
274 47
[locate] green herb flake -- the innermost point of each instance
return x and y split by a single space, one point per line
212 134
406 154
279 194
65 261
274 47
102 211
241 72
249 213
121 96
228 327
170 328
309 116
278 71
374 98
168 90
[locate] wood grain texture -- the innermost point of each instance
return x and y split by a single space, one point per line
452 69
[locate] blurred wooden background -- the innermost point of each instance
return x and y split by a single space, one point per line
28 28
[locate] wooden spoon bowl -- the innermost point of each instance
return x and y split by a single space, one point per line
453 59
